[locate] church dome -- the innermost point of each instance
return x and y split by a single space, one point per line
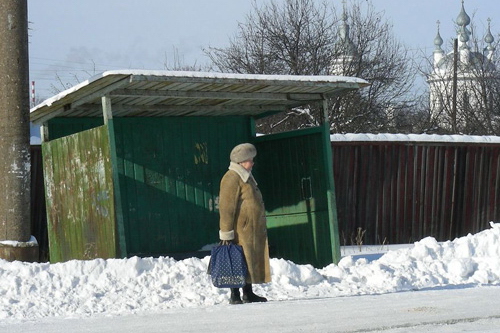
438 41
463 18
468 60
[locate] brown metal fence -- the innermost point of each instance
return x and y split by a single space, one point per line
400 192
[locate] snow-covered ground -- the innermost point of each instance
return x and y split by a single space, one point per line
429 286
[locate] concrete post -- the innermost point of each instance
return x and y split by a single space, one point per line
15 228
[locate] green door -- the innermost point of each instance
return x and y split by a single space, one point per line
294 173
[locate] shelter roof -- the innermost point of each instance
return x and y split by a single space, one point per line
142 93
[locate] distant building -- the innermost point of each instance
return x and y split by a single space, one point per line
461 80
342 64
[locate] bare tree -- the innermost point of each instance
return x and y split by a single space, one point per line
295 38
178 63
65 83
386 63
301 37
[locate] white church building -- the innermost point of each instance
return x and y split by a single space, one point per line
460 82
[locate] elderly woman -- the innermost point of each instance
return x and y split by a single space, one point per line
243 220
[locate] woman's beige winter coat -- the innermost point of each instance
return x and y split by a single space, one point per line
242 218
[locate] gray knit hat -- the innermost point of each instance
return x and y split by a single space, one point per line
243 152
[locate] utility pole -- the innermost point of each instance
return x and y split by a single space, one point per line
15 164
455 84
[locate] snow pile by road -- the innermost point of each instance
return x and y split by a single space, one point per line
124 286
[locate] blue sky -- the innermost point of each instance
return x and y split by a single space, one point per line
71 40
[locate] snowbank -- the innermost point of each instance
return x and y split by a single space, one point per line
124 286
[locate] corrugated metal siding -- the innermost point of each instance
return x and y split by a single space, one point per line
80 197
400 193
169 170
291 175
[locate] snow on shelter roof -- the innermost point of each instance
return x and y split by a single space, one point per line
143 93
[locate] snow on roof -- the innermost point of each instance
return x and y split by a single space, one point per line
216 75
384 137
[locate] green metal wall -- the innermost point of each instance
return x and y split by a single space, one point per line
166 173
79 196
290 170
169 172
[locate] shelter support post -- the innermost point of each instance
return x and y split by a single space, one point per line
326 119
44 132
121 248
332 200
106 109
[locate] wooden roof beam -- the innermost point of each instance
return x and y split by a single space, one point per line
195 109
217 95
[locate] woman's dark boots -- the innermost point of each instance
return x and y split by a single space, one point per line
235 296
249 296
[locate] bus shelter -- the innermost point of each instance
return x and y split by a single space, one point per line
132 162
